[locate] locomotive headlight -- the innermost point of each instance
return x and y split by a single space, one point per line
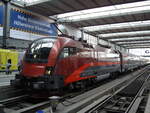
48 70
34 56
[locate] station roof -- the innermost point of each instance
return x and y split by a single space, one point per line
124 22
53 7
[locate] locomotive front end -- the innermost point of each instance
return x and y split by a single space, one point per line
38 66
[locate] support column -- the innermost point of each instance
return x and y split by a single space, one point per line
115 46
121 49
6 22
128 50
82 34
97 40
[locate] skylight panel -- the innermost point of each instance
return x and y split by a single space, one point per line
87 11
135 33
128 39
136 45
133 42
117 26
27 1
108 11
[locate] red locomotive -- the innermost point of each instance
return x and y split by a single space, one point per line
55 63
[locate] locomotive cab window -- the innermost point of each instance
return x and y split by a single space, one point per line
65 53
68 51
39 50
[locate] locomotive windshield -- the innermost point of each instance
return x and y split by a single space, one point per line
39 50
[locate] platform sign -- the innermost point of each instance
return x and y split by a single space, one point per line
31 23
1 14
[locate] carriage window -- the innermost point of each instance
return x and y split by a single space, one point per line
68 51
72 51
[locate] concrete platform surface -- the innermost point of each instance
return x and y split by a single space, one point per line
5 79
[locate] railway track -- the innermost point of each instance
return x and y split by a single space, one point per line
9 92
127 100
25 104
22 104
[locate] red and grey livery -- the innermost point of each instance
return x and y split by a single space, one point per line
55 63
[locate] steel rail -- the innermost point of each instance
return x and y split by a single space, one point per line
98 106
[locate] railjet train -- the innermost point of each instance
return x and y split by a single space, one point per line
50 64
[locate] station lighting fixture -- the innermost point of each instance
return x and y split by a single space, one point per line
133 42
135 47
125 34
104 12
138 45
129 39
126 45
28 2
117 26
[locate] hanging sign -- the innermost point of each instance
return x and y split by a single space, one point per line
31 23
1 14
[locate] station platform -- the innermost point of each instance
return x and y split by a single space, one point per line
5 79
